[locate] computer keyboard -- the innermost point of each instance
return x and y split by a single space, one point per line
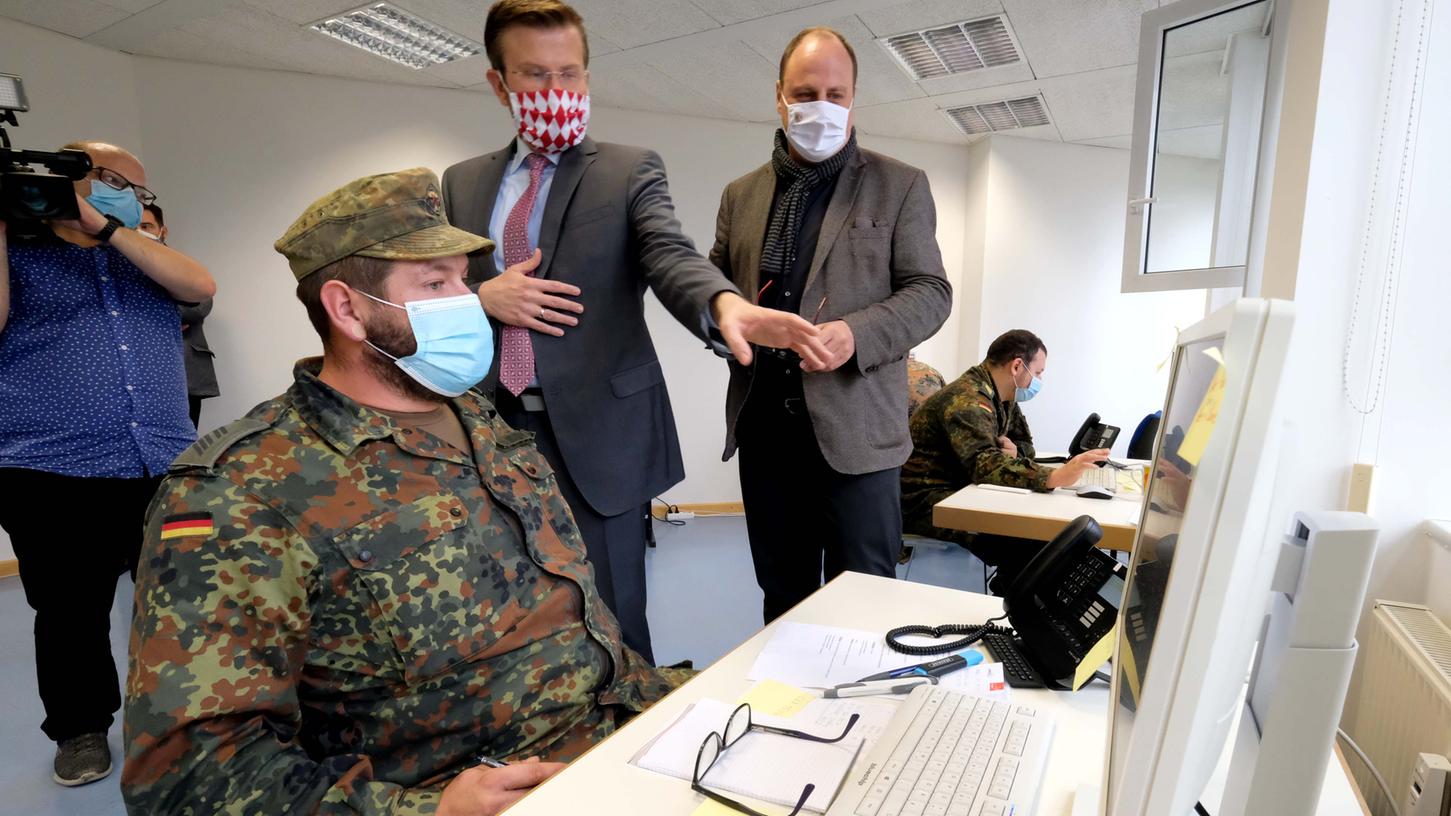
951 754
1103 477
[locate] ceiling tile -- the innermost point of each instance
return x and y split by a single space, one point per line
461 72
184 45
981 78
628 23
879 78
76 18
302 12
727 12
909 119
642 87
1123 142
1092 104
131 6
920 14
738 81
1067 38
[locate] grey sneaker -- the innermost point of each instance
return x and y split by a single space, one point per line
82 759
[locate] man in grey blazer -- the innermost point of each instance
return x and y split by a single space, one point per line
846 238
583 227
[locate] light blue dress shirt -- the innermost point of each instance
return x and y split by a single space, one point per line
511 189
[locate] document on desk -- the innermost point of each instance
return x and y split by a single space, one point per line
805 654
768 767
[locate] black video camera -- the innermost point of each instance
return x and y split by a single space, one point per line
29 197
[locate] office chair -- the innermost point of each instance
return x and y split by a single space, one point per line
1141 445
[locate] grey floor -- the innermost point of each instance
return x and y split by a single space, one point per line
703 602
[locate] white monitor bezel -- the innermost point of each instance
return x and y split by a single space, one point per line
1207 604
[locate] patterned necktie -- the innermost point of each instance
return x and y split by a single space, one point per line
516 353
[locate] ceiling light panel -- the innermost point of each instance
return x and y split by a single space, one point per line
954 49
993 117
386 31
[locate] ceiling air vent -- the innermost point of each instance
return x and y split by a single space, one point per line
991 117
955 49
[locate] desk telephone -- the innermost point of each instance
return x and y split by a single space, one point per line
1061 613
1092 435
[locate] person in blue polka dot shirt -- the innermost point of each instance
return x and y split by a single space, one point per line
93 409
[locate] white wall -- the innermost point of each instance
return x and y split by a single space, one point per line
1052 260
63 108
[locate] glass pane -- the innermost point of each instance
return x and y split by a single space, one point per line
739 724
1206 145
709 752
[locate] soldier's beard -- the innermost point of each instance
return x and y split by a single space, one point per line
396 339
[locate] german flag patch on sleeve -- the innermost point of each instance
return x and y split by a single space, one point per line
187 524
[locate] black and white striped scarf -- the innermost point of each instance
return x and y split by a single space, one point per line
778 253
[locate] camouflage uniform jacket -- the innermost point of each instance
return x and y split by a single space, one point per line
334 614
955 444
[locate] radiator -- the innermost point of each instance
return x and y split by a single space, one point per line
1401 704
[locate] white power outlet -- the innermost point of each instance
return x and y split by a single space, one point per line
1430 793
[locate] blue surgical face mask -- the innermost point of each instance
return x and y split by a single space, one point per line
455 343
119 203
1024 394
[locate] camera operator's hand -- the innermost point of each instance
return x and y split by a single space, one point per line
90 221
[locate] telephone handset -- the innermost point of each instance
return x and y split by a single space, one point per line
1062 607
1092 435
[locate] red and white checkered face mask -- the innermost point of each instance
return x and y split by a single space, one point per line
550 121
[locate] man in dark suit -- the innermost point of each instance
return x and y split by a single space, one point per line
583 228
845 237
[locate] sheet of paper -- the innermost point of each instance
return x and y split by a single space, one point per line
768 767
804 654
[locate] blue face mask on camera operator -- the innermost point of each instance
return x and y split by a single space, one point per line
122 204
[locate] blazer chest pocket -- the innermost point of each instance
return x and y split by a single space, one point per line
425 581
577 220
869 233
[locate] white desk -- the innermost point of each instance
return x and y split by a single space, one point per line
602 782
1039 516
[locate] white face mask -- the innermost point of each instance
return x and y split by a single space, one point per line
816 129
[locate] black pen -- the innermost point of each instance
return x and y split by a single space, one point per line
489 762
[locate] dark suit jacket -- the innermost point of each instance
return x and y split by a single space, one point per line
609 228
879 269
201 374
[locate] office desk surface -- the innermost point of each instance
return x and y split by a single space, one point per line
603 783
1039 516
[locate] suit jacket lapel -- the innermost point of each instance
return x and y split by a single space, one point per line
842 199
567 174
487 191
753 210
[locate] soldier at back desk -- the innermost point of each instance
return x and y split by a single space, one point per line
973 432
352 593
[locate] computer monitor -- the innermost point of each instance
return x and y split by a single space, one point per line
1198 578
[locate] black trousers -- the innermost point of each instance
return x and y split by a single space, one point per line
615 544
194 408
74 537
805 520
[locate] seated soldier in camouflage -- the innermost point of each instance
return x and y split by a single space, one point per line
349 595
972 432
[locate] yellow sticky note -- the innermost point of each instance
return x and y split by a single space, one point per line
777 699
767 697
1097 656
1197 437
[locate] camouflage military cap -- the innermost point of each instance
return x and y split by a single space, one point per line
397 216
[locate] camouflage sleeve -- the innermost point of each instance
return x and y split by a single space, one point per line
218 642
972 425
1019 433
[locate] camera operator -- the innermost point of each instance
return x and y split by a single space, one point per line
93 409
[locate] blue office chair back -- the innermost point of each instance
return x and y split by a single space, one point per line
1141 445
